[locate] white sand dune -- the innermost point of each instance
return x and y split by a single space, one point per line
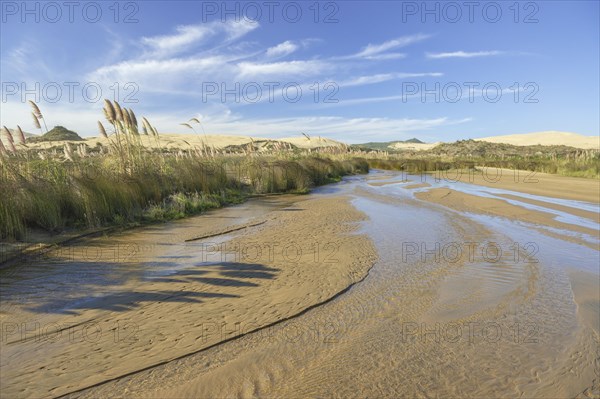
547 138
313 142
168 140
413 146
171 140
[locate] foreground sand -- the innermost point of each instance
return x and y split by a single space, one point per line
169 301
418 326
267 273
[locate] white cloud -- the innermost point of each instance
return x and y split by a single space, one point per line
188 36
387 56
24 61
373 50
464 54
282 49
290 69
220 120
383 77
342 128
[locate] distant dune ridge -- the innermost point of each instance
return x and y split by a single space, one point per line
306 142
547 138
169 140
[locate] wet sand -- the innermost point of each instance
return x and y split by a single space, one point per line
496 207
543 184
171 303
433 310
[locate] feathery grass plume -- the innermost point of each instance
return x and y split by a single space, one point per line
8 135
36 109
134 120
82 150
146 125
38 114
68 152
109 111
155 131
102 130
9 138
126 118
118 112
21 135
188 126
307 136
36 121
2 148
144 130
197 120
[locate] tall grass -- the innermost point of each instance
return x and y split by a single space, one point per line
561 160
52 194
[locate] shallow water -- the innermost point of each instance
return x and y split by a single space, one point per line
458 305
75 275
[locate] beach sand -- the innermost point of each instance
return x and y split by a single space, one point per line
536 183
272 266
266 273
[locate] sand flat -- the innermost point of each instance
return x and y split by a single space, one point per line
417 325
536 183
267 273
464 202
175 298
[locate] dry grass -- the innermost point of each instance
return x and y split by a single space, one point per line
126 180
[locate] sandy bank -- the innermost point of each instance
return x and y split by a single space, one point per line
171 298
543 184
463 202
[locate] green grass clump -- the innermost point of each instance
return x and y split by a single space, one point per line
58 133
53 194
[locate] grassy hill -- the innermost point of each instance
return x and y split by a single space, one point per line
58 133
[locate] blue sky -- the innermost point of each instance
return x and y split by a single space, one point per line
362 67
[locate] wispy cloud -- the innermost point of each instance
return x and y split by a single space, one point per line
375 51
384 77
290 69
343 128
190 36
282 49
25 62
464 54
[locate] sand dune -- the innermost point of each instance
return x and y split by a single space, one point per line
547 138
169 140
414 146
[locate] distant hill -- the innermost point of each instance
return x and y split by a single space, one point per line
58 133
413 141
487 150
385 145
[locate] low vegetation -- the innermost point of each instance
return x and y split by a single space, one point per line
126 182
58 133
562 160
